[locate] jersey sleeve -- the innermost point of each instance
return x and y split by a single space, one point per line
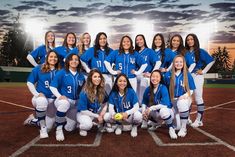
153 57
188 59
166 78
33 76
111 57
57 79
191 82
37 52
82 102
134 97
111 98
165 99
87 56
146 97
205 56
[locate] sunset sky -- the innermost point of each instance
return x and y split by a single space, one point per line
212 20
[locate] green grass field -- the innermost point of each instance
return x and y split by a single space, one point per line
20 84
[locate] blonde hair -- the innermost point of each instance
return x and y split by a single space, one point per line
185 78
47 43
81 46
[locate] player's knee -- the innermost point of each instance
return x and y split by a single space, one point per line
137 117
107 117
85 122
70 125
41 103
199 100
183 105
62 105
164 113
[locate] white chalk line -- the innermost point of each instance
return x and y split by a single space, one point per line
14 104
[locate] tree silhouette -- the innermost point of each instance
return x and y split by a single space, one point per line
15 46
222 60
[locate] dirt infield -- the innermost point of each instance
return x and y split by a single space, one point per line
215 138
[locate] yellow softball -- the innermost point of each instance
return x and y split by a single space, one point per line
118 116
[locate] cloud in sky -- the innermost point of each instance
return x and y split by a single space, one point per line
166 15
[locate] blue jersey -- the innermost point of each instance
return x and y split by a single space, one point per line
126 62
85 104
68 84
123 103
168 57
95 62
204 59
63 51
160 97
42 80
39 53
179 83
150 57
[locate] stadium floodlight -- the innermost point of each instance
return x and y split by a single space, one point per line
35 28
97 25
144 27
204 31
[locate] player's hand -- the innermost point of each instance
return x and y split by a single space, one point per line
163 70
62 97
100 119
118 72
125 115
133 71
41 95
199 72
146 114
147 74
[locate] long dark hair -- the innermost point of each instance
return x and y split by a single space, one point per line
181 49
137 48
121 49
163 46
65 44
68 59
46 66
97 44
196 46
100 89
151 99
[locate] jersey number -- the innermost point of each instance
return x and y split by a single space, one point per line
47 84
69 88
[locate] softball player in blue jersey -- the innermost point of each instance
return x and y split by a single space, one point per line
152 61
176 48
38 83
156 103
196 59
95 57
127 61
69 46
181 86
84 43
92 103
66 86
123 99
41 52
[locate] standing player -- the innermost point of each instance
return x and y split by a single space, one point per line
176 48
92 102
127 61
156 103
84 43
69 46
181 86
95 56
66 86
38 84
41 52
123 99
150 58
196 59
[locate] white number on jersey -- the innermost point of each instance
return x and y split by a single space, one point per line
69 88
120 66
47 84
